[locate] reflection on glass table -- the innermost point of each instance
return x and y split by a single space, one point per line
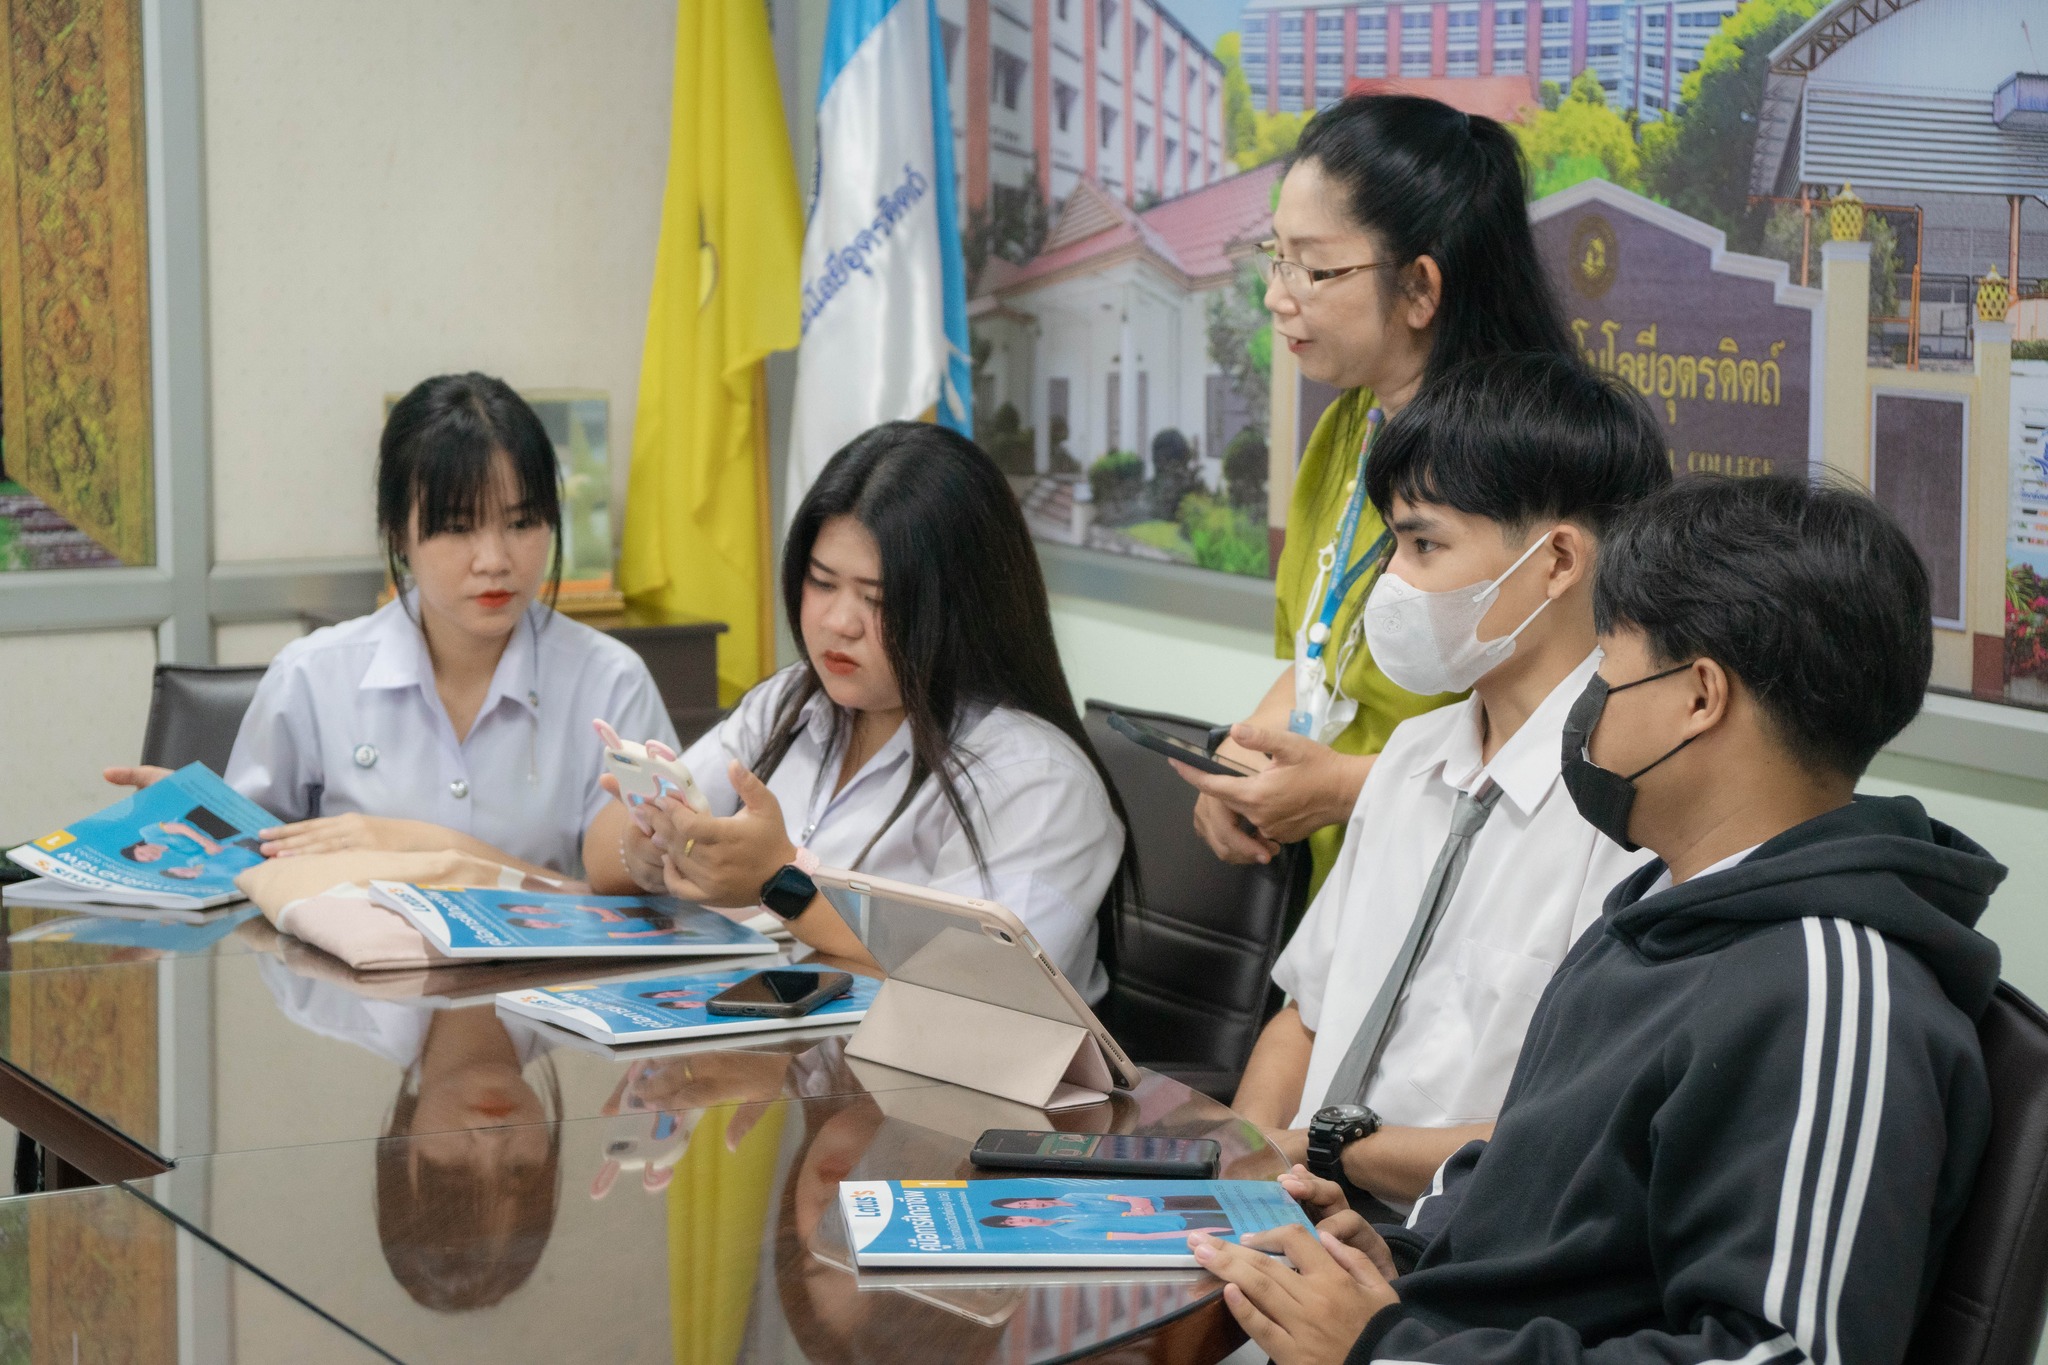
185 1056
100 1275
659 1234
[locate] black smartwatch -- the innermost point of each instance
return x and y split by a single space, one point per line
789 892
1330 1131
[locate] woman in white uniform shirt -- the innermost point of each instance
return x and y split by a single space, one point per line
458 715
927 735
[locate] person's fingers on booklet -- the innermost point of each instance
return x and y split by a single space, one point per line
1320 1306
1322 1198
139 776
1266 1281
1223 830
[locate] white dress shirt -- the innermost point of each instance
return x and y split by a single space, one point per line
1535 879
348 719
1047 833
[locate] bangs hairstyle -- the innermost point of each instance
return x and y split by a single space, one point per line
436 457
1813 597
1519 439
964 619
1428 180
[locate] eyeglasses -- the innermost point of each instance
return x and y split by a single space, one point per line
1296 278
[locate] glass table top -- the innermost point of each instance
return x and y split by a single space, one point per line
702 1234
100 1275
191 1055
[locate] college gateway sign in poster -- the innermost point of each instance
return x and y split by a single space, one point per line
1722 345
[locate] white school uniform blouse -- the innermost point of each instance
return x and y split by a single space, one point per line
1042 815
348 719
1536 878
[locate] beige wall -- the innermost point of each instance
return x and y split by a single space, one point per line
392 190
76 702
395 190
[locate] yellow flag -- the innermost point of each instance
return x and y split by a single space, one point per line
725 295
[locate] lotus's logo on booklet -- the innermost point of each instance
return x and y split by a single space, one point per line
869 1207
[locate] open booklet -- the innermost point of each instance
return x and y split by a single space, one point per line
174 845
1041 1223
479 922
657 1009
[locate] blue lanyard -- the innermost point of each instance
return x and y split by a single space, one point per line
1344 575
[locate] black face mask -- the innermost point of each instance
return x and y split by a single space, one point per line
1604 798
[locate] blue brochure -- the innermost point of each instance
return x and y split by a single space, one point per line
174 845
654 1009
489 923
1042 1223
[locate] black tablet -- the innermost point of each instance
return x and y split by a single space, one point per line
1160 742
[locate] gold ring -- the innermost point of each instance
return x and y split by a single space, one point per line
688 844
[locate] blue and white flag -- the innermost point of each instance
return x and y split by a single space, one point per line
884 284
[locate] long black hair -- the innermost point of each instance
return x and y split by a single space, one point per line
964 619
1428 180
436 456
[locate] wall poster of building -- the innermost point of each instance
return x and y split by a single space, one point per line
1763 215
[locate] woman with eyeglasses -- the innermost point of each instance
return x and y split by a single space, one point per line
1401 246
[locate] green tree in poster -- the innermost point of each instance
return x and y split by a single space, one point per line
1582 138
1252 138
1699 161
1240 128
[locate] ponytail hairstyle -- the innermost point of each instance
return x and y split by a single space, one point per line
1430 181
964 618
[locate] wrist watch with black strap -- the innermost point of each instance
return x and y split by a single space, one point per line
1330 1130
790 891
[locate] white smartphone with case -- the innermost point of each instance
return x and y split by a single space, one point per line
645 777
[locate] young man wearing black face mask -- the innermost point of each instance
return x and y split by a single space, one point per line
1752 1102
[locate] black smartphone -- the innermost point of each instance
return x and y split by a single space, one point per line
1173 746
780 994
1020 1149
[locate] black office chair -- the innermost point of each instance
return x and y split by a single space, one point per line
1193 984
1992 1295
195 711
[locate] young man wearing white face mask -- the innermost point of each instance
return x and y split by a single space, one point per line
1466 872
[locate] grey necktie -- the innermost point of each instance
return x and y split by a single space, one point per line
1363 1057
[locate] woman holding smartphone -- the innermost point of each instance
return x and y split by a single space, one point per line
1401 246
925 735
457 716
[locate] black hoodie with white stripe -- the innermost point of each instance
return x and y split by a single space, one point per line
1746 1118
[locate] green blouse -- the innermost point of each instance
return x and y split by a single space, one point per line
1322 488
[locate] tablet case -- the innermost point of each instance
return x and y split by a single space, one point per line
1018 1056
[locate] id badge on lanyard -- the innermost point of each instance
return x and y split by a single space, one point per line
1321 710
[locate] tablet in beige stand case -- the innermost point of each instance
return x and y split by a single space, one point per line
1022 1057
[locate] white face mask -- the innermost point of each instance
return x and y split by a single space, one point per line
1428 642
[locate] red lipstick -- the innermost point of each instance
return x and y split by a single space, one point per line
837 663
